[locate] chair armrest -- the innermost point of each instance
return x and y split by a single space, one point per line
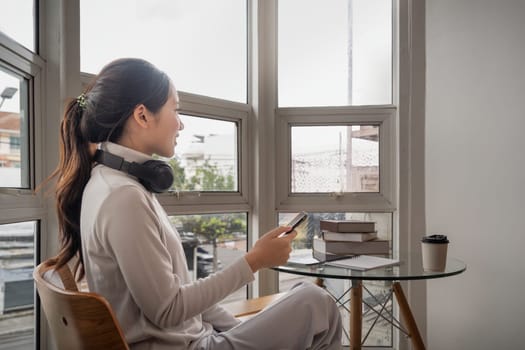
243 308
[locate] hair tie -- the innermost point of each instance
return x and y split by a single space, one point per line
81 101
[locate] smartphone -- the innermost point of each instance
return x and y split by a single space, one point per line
296 221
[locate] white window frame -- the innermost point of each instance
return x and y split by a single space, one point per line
382 201
209 202
62 53
202 106
197 202
61 50
20 204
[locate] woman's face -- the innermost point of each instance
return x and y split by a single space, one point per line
167 126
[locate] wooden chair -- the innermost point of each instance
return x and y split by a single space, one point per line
78 320
247 308
81 320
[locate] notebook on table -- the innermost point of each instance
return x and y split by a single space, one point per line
364 262
302 258
305 257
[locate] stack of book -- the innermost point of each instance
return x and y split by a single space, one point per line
340 238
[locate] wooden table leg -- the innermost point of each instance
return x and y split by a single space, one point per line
356 314
411 325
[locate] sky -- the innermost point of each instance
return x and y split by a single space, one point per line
16 22
201 44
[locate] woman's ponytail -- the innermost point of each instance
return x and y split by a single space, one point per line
72 174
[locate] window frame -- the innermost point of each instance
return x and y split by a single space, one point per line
408 85
21 61
21 204
190 203
382 116
209 107
206 201
394 52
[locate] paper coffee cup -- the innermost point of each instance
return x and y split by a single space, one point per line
434 252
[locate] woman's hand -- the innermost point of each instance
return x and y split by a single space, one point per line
271 249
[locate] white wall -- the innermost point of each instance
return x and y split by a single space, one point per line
475 170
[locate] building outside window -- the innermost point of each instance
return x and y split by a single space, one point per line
17 293
14 130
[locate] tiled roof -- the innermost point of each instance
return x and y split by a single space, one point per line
9 121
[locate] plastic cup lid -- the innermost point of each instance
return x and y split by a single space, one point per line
435 239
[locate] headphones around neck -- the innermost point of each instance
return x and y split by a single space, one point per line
155 175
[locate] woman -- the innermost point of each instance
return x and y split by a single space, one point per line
110 218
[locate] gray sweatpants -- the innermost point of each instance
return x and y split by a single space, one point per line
305 318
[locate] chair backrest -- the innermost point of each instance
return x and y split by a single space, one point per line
77 320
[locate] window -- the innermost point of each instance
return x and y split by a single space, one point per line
335 124
335 53
17 292
201 44
14 131
211 242
336 118
17 20
310 229
14 142
337 157
382 332
206 155
208 64
342 158
20 210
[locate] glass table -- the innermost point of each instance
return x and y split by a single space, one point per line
397 273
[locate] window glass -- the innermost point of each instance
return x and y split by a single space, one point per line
14 135
335 158
310 227
381 334
211 242
335 52
200 44
17 20
17 261
206 155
